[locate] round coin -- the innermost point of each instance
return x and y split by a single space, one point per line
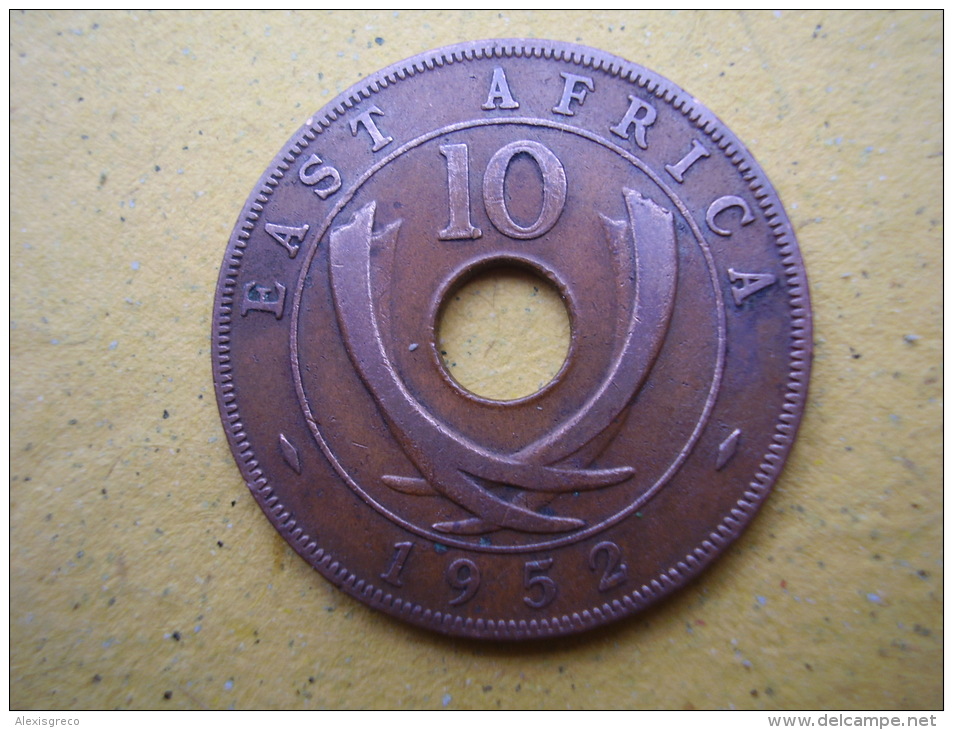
653 445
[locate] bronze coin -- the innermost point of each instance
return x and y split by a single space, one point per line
652 447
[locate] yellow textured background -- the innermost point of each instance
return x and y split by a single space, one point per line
143 575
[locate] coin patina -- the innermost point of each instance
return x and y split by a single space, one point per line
651 448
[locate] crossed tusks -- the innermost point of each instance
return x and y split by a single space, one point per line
454 466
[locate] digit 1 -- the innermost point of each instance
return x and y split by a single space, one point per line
401 551
458 184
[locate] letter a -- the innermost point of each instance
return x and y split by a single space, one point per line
750 283
499 89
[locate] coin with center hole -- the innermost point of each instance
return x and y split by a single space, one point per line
512 509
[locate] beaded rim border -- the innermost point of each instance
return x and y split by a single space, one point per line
731 524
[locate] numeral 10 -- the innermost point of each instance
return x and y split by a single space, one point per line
461 227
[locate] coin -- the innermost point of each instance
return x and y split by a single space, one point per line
649 450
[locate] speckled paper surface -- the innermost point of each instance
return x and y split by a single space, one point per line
142 574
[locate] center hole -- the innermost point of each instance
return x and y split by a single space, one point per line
504 334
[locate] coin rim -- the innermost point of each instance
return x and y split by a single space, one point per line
732 523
